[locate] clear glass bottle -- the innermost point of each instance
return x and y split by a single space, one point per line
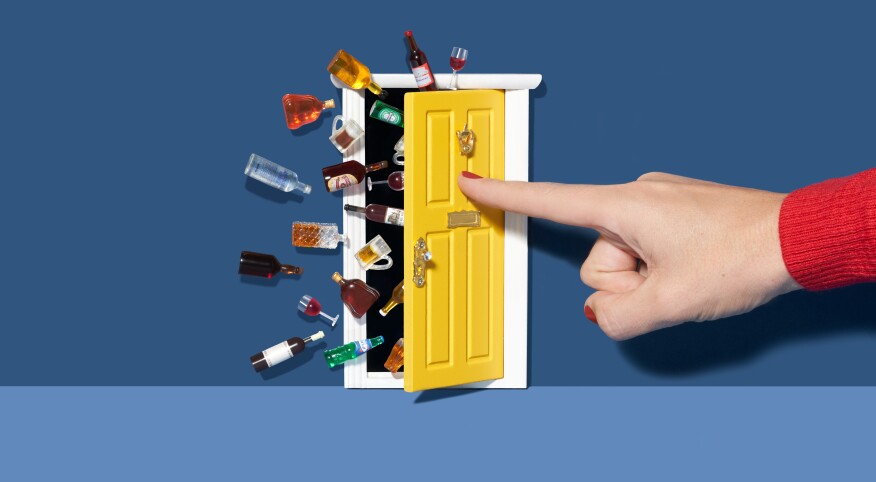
398 297
303 109
343 353
264 265
354 73
379 213
358 296
274 175
316 235
346 174
282 351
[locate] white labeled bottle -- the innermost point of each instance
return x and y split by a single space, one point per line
281 351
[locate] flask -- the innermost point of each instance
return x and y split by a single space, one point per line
264 265
380 213
357 295
398 297
354 73
281 351
303 109
274 175
419 65
346 174
343 353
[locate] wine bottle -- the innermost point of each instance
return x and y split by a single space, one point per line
303 109
264 265
343 353
419 65
380 213
357 295
281 351
398 297
354 73
346 174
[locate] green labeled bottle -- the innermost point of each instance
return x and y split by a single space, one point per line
338 355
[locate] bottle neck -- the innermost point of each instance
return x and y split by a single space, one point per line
329 104
376 166
337 278
412 44
355 209
290 269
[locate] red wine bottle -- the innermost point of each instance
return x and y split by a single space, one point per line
420 66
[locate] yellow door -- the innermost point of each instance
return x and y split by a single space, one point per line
454 323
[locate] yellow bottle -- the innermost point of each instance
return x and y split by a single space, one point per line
354 73
398 297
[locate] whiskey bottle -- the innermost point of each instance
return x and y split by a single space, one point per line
379 213
346 174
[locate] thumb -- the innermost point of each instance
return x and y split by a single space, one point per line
626 315
574 204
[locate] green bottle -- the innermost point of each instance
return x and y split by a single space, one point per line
338 355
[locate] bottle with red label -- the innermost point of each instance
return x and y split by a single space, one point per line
420 66
346 174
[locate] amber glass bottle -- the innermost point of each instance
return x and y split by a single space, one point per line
358 296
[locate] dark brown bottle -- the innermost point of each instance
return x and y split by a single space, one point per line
419 65
346 174
357 295
264 265
380 213
281 351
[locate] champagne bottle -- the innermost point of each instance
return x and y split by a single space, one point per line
398 297
354 73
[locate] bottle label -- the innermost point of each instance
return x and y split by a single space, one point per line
395 216
389 116
362 346
340 182
277 354
423 75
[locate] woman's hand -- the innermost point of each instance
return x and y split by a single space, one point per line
671 249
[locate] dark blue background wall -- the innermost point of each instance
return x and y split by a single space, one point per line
125 131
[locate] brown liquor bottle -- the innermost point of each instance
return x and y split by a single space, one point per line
357 295
419 65
346 174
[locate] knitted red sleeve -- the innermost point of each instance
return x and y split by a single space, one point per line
828 232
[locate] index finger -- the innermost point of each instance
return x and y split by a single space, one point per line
574 204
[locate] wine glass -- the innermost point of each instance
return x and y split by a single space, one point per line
457 62
310 307
396 181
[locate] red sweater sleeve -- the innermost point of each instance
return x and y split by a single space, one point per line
828 232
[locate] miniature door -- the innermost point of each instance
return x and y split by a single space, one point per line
454 322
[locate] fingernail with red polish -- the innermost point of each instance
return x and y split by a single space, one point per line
590 314
470 175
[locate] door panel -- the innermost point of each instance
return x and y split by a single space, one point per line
454 323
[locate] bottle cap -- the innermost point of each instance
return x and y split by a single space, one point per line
318 336
329 104
337 278
409 33
357 209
